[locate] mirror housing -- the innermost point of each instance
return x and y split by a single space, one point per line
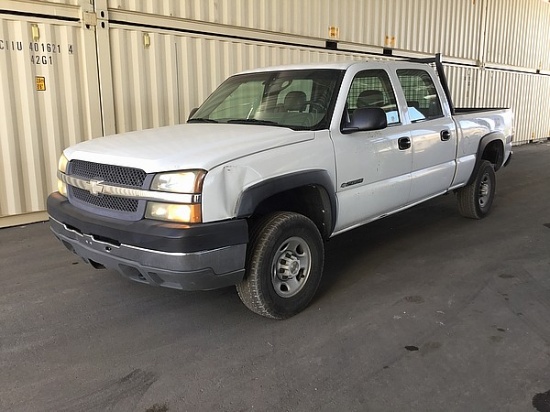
365 119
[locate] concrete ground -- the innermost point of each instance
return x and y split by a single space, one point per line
421 311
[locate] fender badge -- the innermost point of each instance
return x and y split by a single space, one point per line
351 183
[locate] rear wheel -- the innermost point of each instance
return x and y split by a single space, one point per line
284 265
475 199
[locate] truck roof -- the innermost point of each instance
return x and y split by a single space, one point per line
341 65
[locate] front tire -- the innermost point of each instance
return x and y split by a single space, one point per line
475 200
284 265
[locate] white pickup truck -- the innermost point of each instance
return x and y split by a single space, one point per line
275 162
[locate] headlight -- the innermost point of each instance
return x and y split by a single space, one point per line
62 166
174 212
62 187
189 181
185 181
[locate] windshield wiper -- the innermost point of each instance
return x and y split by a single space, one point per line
201 120
254 121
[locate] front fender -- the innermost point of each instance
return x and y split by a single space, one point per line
256 194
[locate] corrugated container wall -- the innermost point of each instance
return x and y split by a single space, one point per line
517 30
526 94
518 34
49 99
78 69
430 26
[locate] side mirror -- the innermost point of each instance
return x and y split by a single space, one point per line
366 118
193 111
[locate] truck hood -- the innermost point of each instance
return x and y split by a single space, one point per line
186 146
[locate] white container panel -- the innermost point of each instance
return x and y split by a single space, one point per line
57 2
517 33
463 82
526 94
535 107
144 80
426 26
303 18
65 8
37 124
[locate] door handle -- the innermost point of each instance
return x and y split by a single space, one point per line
445 135
404 143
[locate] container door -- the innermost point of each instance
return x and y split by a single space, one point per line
49 99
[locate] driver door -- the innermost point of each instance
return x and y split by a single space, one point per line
373 168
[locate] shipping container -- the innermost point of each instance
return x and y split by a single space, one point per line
49 99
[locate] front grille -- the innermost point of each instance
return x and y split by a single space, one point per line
106 205
105 201
126 176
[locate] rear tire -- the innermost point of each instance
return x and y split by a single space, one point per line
284 265
475 200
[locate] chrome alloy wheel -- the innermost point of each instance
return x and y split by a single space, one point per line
291 267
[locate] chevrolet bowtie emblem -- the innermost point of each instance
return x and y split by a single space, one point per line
95 187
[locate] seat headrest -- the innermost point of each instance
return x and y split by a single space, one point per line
295 101
370 98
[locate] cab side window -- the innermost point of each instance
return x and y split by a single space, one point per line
421 94
372 88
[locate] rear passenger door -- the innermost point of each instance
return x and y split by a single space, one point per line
433 135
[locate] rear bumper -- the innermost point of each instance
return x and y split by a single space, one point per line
187 257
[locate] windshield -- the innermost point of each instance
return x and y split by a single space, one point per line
298 99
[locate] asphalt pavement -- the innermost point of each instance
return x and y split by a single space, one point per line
421 311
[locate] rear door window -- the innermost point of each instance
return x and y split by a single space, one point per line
421 94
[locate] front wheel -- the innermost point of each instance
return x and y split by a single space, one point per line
475 199
284 265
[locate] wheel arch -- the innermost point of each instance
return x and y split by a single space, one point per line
309 192
491 148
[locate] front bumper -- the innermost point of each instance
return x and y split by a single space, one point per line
188 257
507 162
